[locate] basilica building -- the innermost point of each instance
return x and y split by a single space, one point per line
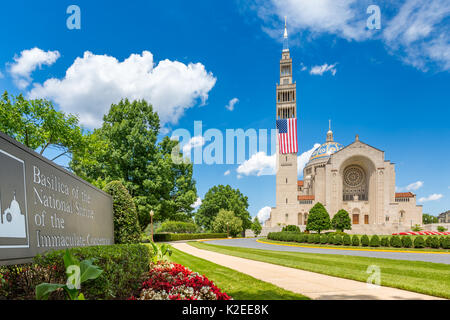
356 178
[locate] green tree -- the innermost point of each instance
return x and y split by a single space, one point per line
37 124
341 221
227 222
126 224
428 219
318 218
125 148
222 197
256 226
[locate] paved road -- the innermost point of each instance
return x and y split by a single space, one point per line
311 284
251 243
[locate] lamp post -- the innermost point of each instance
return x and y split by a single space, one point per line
151 222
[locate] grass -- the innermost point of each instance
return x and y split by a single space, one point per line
236 284
422 277
306 244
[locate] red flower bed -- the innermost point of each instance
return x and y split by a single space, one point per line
422 233
171 281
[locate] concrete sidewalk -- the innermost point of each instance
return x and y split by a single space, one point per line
310 284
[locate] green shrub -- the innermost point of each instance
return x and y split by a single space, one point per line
419 242
347 241
178 227
323 239
385 242
434 242
375 241
330 238
299 237
158 237
126 223
338 239
123 265
355 240
406 242
445 244
317 238
365 241
428 241
227 222
441 229
416 228
395 242
291 227
311 238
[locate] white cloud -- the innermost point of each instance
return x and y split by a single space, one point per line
261 164
263 214
420 33
93 82
258 164
226 172
320 70
346 18
194 142
28 60
231 103
197 203
416 31
432 197
410 187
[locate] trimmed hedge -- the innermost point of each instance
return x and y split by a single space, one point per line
330 238
317 238
419 242
158 237
291 227
406 242
365 241
124 268
395 242
375 241
340 238
126 223
178 227
347 241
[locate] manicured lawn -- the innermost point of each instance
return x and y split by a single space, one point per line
423 277
238 285
352 247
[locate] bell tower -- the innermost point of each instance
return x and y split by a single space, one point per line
286 107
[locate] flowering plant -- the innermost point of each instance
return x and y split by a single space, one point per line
171 281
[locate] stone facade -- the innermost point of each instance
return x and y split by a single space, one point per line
356 178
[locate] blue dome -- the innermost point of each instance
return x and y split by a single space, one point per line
325 150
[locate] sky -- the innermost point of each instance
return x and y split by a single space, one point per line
217 62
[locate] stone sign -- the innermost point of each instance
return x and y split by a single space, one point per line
45 207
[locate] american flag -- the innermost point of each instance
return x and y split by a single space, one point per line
287 135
